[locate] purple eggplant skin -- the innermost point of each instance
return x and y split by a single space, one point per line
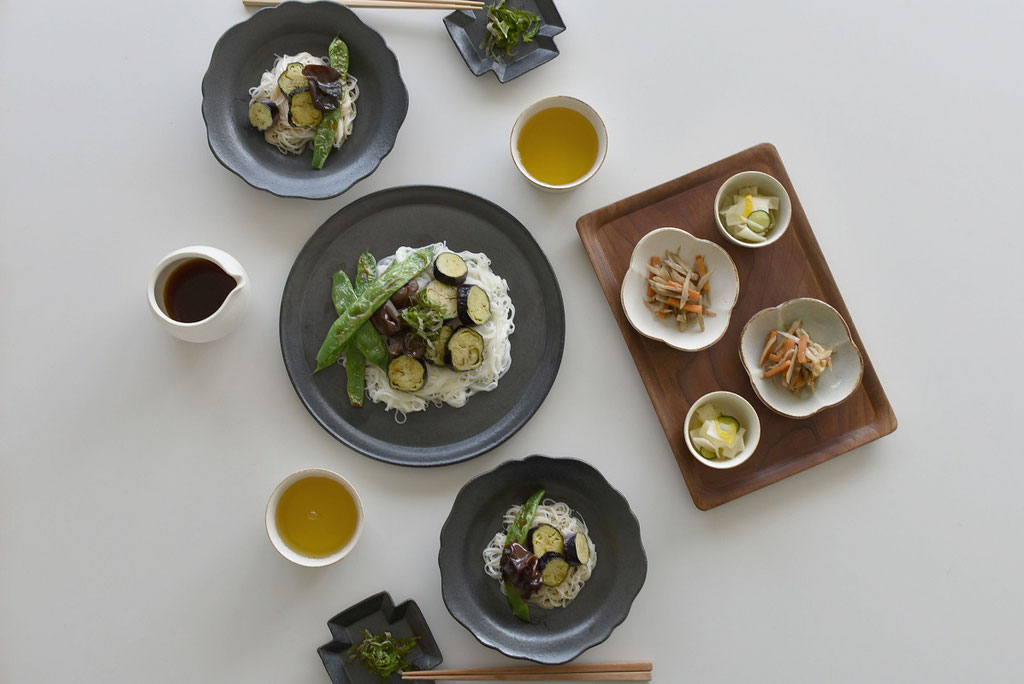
386 320
557 562
558 540
403 297
414 346
258 112
572 554
396 345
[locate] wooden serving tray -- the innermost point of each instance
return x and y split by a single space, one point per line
674 378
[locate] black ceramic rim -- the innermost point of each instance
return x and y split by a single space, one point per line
503 426
451 589
342 639
265 22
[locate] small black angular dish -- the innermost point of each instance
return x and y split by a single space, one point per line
377 614
468 31
557 635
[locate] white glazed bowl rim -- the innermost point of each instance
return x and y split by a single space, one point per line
760 385
784 201
753 429
641 325
577 105
275 536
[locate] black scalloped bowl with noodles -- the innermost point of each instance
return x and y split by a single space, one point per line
555 635
248 49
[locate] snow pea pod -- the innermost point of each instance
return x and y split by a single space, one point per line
367 339
327 129
365 304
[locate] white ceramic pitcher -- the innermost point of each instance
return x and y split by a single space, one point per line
219 323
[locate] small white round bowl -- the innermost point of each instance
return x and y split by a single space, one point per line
731 405
275 536
577 106
766 185
826 326
725 289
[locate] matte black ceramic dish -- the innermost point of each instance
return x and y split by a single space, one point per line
377 614
560 634
414 216
248 49
468 31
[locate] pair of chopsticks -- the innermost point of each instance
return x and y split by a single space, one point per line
388 4
593 672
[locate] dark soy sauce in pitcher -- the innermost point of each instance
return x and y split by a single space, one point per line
195 289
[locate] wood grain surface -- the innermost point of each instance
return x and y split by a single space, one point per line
674 379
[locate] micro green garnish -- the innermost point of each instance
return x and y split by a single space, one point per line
383 655
507 27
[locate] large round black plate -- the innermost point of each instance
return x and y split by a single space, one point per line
560 634
415 216
248 49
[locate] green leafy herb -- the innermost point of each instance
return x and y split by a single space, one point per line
507 28
426 320
383 655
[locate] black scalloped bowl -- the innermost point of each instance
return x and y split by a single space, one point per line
247 49
558 635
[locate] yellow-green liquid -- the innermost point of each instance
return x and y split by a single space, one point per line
316 516
558 146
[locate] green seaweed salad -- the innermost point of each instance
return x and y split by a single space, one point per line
507 27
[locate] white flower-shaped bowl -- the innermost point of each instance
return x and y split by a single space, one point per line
729 404
766 185
826 326
725 289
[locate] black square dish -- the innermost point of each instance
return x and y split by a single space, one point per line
377 614
468 31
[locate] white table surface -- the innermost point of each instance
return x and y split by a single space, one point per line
136 468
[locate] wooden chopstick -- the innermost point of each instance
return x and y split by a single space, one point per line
589 672
387 4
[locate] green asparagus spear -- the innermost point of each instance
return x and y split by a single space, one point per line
365 304
367 339
327 129
517 533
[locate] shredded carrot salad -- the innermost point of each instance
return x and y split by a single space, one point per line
677 291
794 359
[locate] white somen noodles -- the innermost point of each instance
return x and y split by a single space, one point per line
443 385
561 517
290 139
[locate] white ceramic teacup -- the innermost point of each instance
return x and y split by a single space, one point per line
223 320
275 534
577 106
